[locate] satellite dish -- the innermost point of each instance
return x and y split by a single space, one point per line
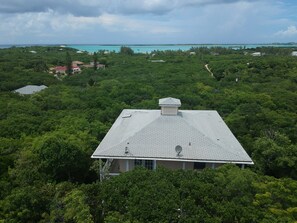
178 149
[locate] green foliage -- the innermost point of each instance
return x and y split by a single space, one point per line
62 157
126 50
26 204
27 170
228 194
276 199
68 62
143 198
91 82
76 208
95 61
46 139
276 156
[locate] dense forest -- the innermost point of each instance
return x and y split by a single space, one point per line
47 138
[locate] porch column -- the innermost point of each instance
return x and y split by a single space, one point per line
100 170
213 165
127 165
154 164
184 165
242 166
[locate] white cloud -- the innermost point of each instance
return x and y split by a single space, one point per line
164 30
290 31
145 21
97 7
52 24
112 23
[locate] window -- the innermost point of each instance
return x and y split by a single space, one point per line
149 164
199 166
137 162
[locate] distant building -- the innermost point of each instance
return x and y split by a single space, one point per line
173 138
33 51
91 65
294 53
157 61
63 69
100 66
30 89
214 53
76 69
192 53
256 54
60 69
77 63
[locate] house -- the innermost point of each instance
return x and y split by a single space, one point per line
256 54
30 89
76 69
77 63
91 65
60 69
100 66
294 53
169 137
63 69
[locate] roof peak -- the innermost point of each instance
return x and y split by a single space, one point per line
169 102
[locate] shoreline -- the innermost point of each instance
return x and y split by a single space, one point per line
148 48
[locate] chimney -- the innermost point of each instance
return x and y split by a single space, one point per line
169 106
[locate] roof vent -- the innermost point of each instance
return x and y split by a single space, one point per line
127 116
169 106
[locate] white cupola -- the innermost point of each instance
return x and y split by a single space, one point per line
169 106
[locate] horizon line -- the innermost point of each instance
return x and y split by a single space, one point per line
145 44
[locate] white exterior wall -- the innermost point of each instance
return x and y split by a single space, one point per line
127 165
175 165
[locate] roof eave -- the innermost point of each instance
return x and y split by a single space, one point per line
180 159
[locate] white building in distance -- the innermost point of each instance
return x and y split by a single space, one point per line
30 89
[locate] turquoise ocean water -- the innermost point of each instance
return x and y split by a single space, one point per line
150 48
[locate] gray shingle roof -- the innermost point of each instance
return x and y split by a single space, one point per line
30 89
146 134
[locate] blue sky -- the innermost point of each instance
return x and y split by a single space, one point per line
147 21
